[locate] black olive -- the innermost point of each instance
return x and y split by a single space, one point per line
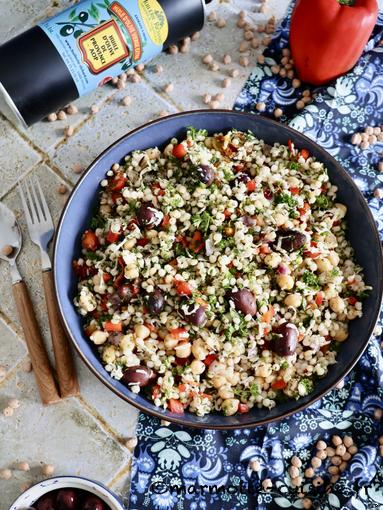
290 240
156 302
46 502
125 293
67 499
138 374
243 177
148 216
83 16
244 301
92 502
285 339
206 174
194 314
66 30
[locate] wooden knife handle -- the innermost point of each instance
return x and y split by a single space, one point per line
39 357
65 369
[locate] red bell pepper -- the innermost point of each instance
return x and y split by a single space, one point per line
328 36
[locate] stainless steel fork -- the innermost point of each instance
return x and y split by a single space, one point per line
41 230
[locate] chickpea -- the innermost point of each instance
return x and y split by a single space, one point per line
197 367
294 472
323 265
141 331
273 259
337 304
341 335
217 368
330 292
341 210
333 257
99 337
230 406
233 378
285 281
198 349
170 342
294 300
218 381
183 350
225 392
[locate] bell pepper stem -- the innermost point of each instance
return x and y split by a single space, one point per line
350 3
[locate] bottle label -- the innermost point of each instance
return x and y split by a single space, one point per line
98 40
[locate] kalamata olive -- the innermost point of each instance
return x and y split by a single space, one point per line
46 502
248 221
138 374
285 338
206 174
244 301
148 216
92 502
67 499
290 240
115 338
115 298
243 177
268 194
156 302
125 293
194 314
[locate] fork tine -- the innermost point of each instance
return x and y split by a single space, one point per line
46 210
35 217
36 203
27 212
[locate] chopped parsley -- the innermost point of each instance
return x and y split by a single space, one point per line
293 165
97 221
254 390
307 384
285 365
285 198
323 202
310 279
202 221
195 133
242 394
91 255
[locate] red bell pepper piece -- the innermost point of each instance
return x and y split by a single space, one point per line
90 241
175 406
327 37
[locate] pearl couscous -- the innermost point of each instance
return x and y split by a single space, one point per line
216 275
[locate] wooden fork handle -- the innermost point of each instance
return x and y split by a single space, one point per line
65 369
39 357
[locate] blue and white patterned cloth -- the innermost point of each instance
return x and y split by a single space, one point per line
168 456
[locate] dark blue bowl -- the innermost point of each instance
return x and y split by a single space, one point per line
362 234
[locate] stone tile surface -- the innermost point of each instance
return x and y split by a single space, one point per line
86 436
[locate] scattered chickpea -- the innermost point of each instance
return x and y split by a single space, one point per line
378 413
226 83
121 84
173 49
244 61
380 440
278 112
77 168
134 78
378 193
343 466
321 454
206 98
307 503
214 67
294 472
131 443
261 59
184 48
158 68
316 462
71 109
255 43
61 115
23 466
380 166
5 474
212 16
352 450
14 403
267 484
296 83
62 189
219 97
266 41
52 117
165 423
7 250
346 456
214 105
47 469
241 23
140 68
169 88
300 104
334 479
255 465
163 113
261 28
195 36
309 472
369 130
364 145
321 445
336 460
244 46
68 131
333 470
348 441
234 73
7 412
248 35
126 101
220 23
261 107
226 59
340 385
340 450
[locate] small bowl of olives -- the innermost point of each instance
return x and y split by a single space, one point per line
67 493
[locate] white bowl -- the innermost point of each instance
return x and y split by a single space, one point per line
31 495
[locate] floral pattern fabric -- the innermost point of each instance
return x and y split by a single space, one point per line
170 456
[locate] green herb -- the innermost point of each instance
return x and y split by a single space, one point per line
249 136
311 279
229 176
202 221
285 198
242 394
285 365
334 272
323 202
229 333
293 165
194 133
308 385
306 321
167 362
92 255
254 390
212 300
104 318
363 294
228 242
97 221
